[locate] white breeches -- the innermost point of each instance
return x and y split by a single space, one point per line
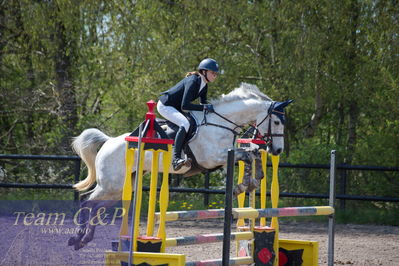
174 116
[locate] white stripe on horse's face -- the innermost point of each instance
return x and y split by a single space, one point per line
278 142
276 128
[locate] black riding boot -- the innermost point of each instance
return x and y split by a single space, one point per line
178 162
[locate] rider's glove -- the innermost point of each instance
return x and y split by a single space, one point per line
209 108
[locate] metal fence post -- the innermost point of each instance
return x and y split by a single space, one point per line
342 188
331 218
135 198
206 186
76 179
228 205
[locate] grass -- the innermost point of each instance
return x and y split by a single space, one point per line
35 194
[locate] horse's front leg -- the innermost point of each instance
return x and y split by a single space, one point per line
248 183
246 155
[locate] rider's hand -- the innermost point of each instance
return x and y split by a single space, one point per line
209 108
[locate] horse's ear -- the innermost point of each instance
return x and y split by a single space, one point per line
281 105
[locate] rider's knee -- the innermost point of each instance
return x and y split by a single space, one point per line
185 124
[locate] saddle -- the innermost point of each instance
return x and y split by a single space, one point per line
171 128
171 131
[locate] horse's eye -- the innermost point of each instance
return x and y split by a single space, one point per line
277 123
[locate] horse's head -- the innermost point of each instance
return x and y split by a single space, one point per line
271 126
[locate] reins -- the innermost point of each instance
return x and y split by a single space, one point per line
235 133
267 137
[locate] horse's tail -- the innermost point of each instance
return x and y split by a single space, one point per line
86 146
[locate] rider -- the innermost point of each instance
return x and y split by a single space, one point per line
178 99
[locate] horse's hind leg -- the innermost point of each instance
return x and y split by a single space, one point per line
82 220
97 217
94 204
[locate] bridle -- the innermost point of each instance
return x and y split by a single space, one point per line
267 137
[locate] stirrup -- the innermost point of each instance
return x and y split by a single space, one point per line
178 163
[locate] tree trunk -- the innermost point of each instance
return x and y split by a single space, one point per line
274 79
318 108
354 97
64 86
341 120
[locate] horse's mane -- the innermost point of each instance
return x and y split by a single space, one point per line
245 91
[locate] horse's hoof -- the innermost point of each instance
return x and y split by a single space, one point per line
71 241
179 163
86 239
259 176
78 245
253 184
240 188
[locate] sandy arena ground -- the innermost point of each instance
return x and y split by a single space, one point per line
354 244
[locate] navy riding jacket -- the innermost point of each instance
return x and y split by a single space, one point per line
184 92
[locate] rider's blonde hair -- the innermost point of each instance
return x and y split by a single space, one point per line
192 73
201 71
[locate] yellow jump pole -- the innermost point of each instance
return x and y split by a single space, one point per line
164 195
149 136
252 195
275 195
127 190
263 186
241 250
252 204
241 197
153 194
240 202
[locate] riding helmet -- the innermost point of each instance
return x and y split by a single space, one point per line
209 64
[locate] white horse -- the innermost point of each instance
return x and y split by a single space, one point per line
243 106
